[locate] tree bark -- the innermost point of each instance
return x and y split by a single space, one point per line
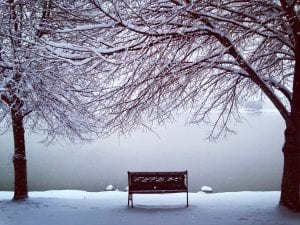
19 160
290 187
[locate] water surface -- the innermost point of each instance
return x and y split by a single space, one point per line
249 160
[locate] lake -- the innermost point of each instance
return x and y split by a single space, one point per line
249 160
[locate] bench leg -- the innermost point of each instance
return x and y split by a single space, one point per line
130 199
187 199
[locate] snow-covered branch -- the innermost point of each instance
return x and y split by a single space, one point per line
193 49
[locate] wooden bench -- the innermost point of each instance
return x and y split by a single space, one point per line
157 183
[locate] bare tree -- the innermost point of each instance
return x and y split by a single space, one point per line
42 89
53 55
205 56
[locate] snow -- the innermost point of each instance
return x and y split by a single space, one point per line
109 187
72 207
206 189
87 27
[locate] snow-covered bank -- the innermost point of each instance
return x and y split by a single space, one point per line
110 208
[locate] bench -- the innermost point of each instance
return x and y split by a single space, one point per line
157 183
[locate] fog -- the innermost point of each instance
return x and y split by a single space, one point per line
249 160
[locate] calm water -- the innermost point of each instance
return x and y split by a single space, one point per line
249 160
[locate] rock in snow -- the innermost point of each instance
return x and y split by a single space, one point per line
109 188
206 189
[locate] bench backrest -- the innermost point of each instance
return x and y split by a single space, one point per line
156 181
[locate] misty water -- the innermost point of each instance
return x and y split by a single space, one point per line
249 160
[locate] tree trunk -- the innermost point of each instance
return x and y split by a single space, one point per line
21 191
290 187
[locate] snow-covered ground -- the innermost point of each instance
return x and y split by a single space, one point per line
71 207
